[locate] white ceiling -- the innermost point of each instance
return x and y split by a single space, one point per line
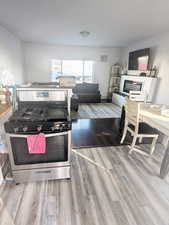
111 22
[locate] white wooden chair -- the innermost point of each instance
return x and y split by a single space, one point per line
132 118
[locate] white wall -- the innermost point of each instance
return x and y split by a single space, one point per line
37 61
11 58
159 57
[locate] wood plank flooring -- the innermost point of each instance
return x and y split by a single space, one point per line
102 132
97 110
128 193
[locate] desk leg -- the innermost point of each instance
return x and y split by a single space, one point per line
165 163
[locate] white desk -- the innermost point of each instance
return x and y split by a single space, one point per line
153 117
151 114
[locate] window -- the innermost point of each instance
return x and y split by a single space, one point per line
82 70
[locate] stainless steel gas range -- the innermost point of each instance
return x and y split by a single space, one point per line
40 110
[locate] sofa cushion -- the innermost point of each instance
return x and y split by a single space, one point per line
86 87
89 94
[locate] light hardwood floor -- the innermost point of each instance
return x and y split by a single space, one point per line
127 192
97 110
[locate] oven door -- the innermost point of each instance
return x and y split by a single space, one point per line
57 151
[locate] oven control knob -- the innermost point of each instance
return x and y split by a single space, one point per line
52 128
25 129
16 129
63 126
39 128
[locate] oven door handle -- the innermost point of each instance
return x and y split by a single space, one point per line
46 135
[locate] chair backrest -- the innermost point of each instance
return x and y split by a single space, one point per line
132 110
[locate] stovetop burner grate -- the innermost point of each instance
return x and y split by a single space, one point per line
40 114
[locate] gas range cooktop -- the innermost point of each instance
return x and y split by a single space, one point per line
35 114
34 119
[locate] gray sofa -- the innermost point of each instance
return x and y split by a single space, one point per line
87 93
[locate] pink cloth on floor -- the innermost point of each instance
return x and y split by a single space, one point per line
36 144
